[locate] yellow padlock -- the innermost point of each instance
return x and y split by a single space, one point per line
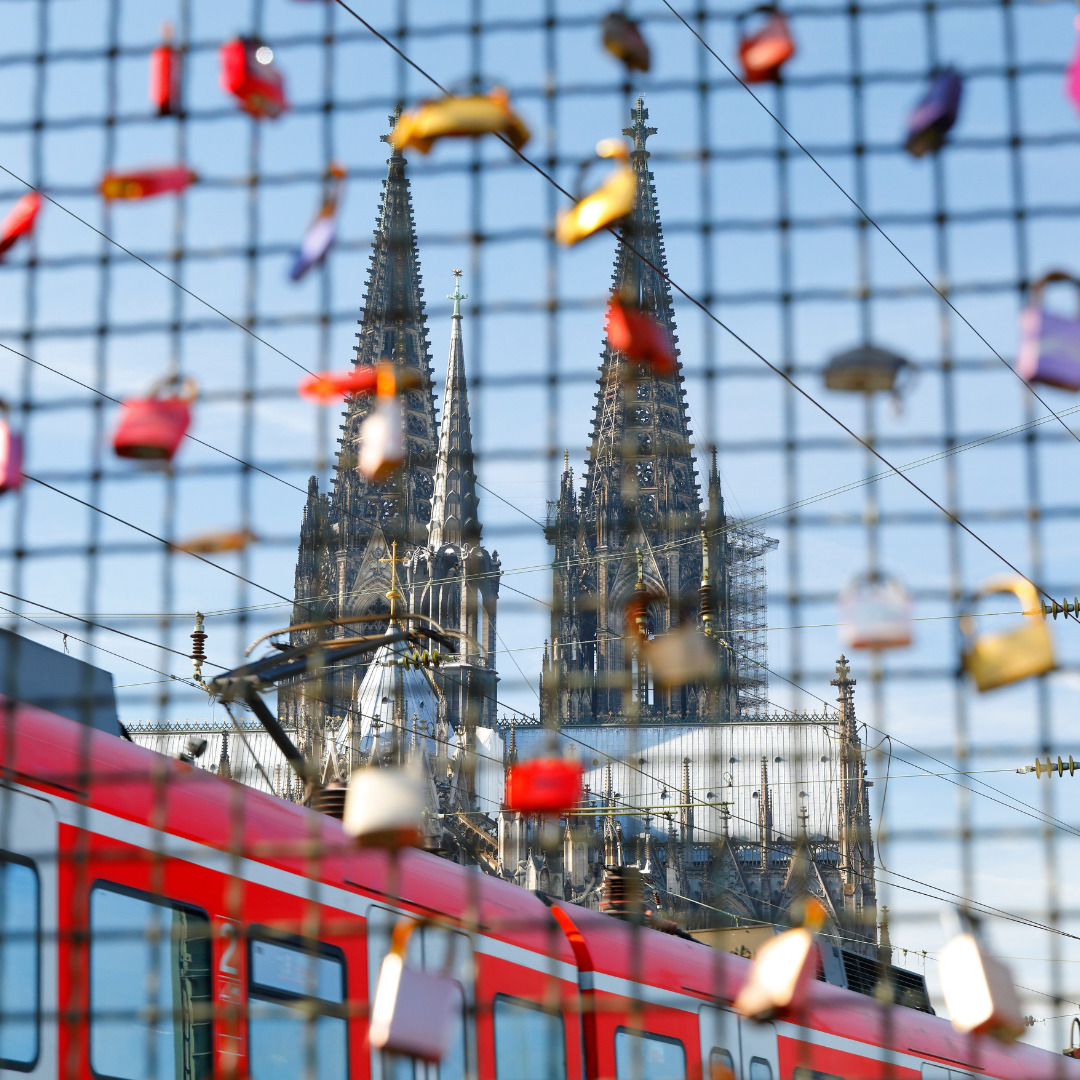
607 205
1000 659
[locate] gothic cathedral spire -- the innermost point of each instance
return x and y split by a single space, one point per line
640 495
454 518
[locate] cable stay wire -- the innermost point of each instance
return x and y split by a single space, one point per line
888 239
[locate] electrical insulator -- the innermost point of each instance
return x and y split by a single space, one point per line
198 646
1050 767
1067 607
418 659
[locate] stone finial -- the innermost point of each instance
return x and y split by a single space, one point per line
638 131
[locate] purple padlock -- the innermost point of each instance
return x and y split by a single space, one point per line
935 114
11 452
1049 343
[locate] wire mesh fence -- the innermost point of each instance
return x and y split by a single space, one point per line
573 522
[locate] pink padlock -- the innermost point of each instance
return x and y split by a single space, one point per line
1072 73
1049 343
11 452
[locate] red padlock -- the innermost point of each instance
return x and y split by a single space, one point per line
165 75
146 183
11 452
763 52
639 337
546 785
247 72
20 220
150 428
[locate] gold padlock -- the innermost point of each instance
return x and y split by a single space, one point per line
999 659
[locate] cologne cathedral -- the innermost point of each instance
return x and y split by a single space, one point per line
729 811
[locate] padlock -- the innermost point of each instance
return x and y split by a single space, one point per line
622 38
145 183
763 52
459 117
412 1010
935 113
1072 74
20 220
867 369
681 656
212 543
605 206
638 336
382 440
783 969
995 660
150 428
978 990
1049 343
165 75
384 807
384 379
545 785
875 613
11 454
320 233
248 73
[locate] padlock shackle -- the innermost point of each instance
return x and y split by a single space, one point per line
1074 1031
1037 287
187 387
605 148
760 9
1019 587
403 932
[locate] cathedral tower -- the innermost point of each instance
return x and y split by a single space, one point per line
343 565
641 504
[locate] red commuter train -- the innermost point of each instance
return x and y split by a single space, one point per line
161 923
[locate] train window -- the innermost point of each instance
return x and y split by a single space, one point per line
529 1042
639 1056
20 933
721 1066
150 999
760 1069
296 1024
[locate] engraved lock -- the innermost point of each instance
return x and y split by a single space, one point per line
995 660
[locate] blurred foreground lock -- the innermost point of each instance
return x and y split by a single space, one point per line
763 52
1049 343
783 968
547 785
150 428
384 807
460 117
11 453
608 204
248 73
875 613
995 660
866 370
622 38
978 989
412 1010
935 114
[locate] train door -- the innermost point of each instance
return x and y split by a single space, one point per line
732 1046
28 914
